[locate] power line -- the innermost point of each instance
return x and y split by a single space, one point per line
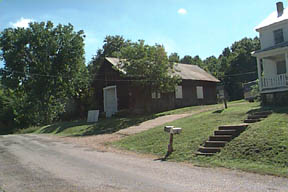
240 74
55 76
116 80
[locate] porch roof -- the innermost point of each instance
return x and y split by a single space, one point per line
278 46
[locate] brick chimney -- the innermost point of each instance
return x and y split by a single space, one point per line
280 8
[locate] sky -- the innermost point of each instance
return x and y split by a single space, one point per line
188 27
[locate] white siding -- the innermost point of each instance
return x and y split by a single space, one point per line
267 35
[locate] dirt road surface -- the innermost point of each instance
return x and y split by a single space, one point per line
39 163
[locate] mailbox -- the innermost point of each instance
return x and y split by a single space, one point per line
176 130
172 130
168 128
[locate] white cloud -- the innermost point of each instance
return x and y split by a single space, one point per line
22 22
182 11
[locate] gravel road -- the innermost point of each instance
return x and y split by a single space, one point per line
39 163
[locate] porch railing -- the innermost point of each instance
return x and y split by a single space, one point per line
274 82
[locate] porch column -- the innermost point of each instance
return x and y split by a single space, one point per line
286 60
260 72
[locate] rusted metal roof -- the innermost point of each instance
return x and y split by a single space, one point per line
116 62
185 71
193 72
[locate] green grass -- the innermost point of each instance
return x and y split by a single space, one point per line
82 128
189 109
262 148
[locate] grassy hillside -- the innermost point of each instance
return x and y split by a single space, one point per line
82 128
262 148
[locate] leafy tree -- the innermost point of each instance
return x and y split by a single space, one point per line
150 65
197 61
187 59
211 65
174 57
44 66
240 65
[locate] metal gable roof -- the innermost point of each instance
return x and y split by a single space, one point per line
185 71
193 72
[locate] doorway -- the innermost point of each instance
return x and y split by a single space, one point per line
110 100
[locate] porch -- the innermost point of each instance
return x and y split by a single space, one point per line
275 82
272 70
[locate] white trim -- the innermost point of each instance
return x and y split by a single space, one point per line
109 87
286 60
272 52
274 90
259 72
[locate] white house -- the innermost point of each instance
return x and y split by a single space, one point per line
272 58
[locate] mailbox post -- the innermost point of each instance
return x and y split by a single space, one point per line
172 131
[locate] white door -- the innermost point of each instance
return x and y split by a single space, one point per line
110 100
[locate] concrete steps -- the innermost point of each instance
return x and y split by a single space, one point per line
257 116
215 143
226 133
223 135
263 113
251 120
209 149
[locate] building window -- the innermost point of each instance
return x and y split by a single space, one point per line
178 92
156 95
278 36
200 94
281 67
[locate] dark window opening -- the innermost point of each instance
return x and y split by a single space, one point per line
278 36
281 67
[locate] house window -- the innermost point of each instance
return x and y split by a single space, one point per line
156 95
278 36
178 92
281 67
200 94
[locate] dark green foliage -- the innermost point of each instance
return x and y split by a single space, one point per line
150 66
187 59
44 66
241 64
233 67
6 112
174 57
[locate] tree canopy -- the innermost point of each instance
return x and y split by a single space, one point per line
234 66
44 67
149 65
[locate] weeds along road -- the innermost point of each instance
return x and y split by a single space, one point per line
38 163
